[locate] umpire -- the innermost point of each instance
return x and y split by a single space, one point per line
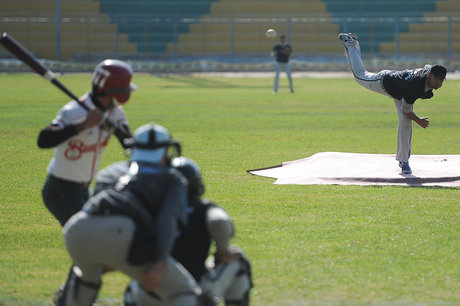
132 227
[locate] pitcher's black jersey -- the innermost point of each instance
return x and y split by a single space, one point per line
408 84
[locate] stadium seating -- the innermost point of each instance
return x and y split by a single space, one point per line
446 8
138 28
152 24
268 8
310 23
432 35
84 31
377 18
238 27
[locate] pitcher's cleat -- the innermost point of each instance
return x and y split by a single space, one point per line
346 37
405 168
350 39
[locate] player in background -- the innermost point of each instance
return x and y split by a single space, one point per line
80 137
282 53
225 276
404 87
132 227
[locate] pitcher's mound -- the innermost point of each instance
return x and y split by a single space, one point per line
365 169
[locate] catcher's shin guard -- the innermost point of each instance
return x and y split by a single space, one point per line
231 282
136 296
78 292
238 293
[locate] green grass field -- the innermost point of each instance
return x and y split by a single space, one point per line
309 245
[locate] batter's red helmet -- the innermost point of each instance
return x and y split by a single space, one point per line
113 78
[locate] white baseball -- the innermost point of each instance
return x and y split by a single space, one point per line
270 33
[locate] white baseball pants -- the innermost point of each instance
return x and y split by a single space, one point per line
373 82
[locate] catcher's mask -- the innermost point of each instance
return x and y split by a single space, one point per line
151 141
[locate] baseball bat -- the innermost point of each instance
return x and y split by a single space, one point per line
30 60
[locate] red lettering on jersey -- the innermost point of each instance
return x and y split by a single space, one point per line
77 148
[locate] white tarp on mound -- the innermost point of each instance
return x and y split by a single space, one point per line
366 169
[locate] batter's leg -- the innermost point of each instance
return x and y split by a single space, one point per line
63 199
77 291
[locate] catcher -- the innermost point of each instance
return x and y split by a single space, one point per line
225 276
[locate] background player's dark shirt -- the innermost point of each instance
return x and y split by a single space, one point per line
408 84
280 56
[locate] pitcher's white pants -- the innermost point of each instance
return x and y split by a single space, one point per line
404 134
373 82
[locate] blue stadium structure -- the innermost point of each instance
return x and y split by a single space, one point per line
152 24
374 20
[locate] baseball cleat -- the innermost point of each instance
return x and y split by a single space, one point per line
346 37
350 39
405 168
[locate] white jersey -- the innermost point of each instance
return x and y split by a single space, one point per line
77 158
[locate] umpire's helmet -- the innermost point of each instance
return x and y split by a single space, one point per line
151 142
192 173
113 78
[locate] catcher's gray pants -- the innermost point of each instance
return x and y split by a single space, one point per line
373 82
97 241
286 67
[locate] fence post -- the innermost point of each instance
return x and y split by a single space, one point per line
232 39
449 38
175 38
58 30
371 37
345 26
289 29
146 37
397 54
117 53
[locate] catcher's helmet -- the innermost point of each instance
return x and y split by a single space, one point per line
113 78
192 173
151 142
